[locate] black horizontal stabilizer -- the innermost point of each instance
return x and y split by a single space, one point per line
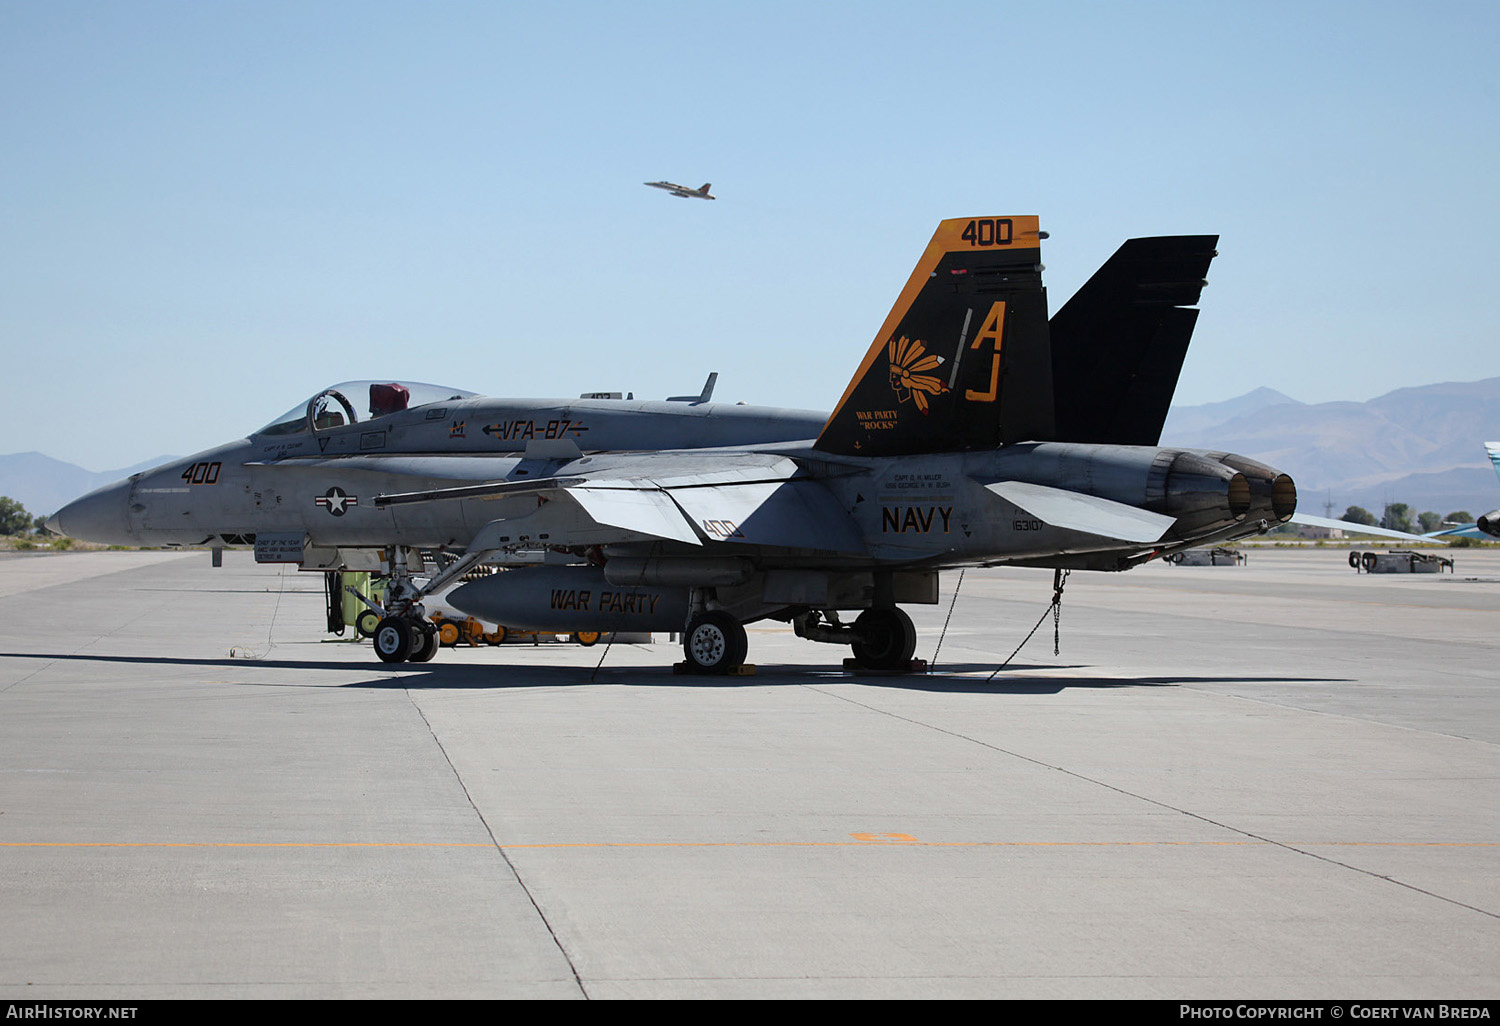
1119 343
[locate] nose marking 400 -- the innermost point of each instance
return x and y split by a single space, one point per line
202 473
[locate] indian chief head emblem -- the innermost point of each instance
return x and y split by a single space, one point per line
909 358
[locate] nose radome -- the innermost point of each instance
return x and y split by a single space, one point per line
98 516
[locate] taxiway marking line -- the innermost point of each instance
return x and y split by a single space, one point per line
743 844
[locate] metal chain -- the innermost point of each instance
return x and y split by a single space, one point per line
933 665
610 643
1055 608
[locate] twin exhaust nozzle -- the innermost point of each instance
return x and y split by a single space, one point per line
1203 489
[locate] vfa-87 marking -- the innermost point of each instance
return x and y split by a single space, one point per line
987 433
527 430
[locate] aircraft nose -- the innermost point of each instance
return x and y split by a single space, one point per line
99 516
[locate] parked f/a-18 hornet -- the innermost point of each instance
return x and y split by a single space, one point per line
974 433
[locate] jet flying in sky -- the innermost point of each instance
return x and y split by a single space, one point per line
683 190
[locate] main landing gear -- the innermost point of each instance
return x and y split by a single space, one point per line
714 643
882 638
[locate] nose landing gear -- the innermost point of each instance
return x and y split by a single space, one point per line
400 639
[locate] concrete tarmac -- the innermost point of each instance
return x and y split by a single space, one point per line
1276 780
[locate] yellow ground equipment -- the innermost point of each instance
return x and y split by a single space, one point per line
469 631
356 613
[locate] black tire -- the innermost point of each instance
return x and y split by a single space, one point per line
393 639
886 639
366 623
714 643
1354 560
1369 561
424 643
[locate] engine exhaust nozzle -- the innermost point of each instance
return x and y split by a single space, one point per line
1273 495
1204 494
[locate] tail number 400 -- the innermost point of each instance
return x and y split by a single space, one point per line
989 232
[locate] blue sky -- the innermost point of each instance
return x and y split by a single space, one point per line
212 210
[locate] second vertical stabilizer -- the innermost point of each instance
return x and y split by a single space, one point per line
1119 342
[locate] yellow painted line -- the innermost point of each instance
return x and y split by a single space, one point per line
858 843
241 844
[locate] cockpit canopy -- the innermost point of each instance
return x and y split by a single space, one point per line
337 406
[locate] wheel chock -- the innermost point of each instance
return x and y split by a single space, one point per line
743 670
855 666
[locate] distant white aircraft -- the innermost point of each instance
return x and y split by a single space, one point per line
683 190
1487 526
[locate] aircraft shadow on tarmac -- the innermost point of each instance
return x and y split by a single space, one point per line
950 678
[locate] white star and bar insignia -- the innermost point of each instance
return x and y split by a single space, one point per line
336 501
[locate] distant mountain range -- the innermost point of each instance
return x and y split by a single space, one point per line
1422 446
44 485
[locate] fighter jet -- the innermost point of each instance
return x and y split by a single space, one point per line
971 434
683 190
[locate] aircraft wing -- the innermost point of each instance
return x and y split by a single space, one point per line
638 510
756 501
1344 525
666 473
796 513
